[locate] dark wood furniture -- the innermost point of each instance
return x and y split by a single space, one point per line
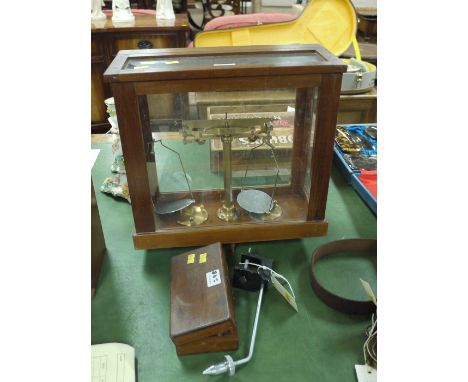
107 40
180 6
315 74
358 108
98 244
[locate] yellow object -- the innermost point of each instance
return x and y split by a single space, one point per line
330 23
191 258
202 258
356 49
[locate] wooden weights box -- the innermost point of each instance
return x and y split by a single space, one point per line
245 173
202 313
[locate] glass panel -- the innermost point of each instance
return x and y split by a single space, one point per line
232 157
313 94
202 62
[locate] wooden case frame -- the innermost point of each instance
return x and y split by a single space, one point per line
130 88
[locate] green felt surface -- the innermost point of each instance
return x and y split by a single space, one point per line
317 344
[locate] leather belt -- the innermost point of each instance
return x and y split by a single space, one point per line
332 300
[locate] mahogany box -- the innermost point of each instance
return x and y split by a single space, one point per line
202 313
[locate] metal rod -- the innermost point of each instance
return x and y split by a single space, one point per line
277 173
248 162
227 168
272 149
229 365
181 164
254 332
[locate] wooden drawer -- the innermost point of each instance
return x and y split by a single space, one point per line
357 111
96 49
132 41
98 93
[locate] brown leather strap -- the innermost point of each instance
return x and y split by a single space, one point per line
332 300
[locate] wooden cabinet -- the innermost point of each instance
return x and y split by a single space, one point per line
358 108
98 244
106 41
179 6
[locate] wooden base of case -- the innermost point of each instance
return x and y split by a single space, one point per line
210 344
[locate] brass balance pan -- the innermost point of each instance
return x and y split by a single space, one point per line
164 208
255 201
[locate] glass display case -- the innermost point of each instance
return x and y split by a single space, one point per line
251 170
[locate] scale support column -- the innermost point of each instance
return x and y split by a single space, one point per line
228 211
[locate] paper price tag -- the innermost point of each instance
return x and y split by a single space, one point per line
369 291
213 278
282 290
365 373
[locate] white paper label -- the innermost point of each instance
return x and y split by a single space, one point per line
282 290
365 373
213 278
369 291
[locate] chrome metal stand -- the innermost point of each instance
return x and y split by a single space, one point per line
229 365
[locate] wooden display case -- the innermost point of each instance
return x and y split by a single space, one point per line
222 206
